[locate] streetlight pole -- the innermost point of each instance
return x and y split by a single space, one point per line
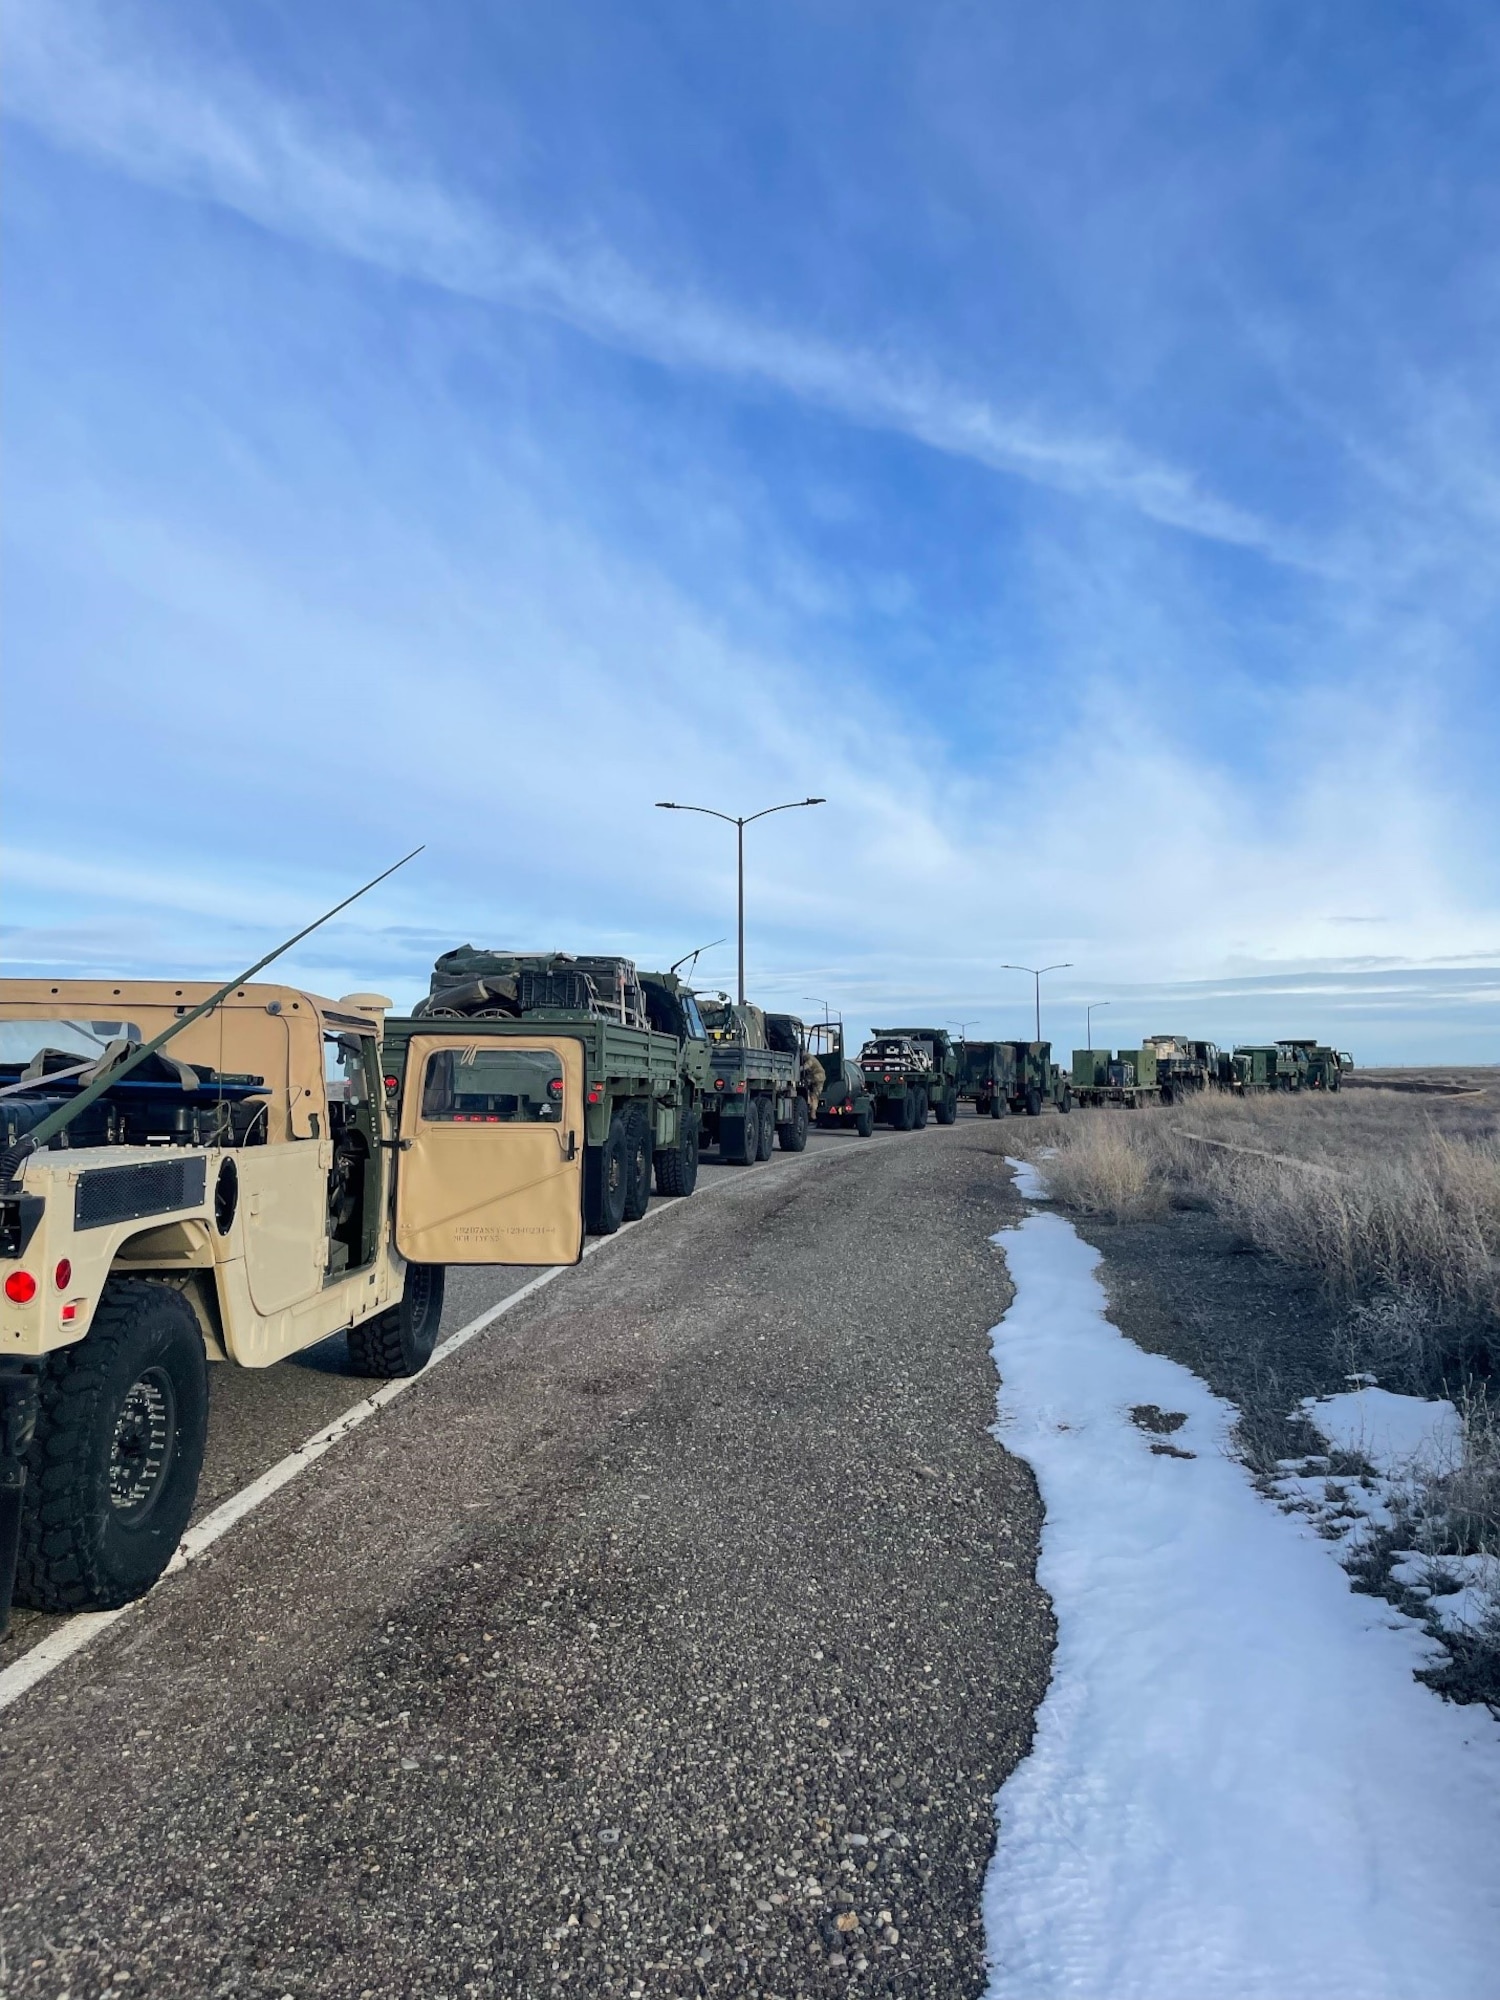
739 822
1088 1015
1036 972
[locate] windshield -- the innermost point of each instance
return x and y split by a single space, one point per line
21 1041
696 1030
492 1086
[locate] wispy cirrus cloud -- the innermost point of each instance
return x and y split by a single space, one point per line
73 75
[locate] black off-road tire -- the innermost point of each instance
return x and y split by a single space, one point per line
400 1341
638 1163
793 1134
864 1122
1033 1102
1065 1102
902 1112
766 1137
125 1411
999 1106
947 1111
923 1110
605 1176
677 1166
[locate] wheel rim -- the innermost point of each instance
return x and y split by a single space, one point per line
142 1447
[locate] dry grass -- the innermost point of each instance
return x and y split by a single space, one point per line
1392 1201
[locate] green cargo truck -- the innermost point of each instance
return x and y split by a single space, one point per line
756 1093
842 1102
535 1017
987 1077
1128 1079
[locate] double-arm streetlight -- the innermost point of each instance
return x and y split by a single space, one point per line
1036 972
739 823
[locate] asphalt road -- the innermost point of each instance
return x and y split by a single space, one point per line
671 1638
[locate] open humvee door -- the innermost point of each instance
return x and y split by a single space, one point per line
490 1166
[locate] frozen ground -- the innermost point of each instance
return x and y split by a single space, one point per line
1237 1790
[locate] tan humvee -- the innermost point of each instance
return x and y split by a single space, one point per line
241 1195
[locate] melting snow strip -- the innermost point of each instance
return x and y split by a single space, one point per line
1237 1791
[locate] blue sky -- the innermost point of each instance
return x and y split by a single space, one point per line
1065 438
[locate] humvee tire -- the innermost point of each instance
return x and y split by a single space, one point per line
864 1122
1033 1102
400 1341
605 1173
947 1111
113 1467
766 1138
923 1108
677 1166
637 1164
793 1134
739 1138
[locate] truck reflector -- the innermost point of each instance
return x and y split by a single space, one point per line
20 1288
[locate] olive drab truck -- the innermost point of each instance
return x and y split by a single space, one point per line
1317 1067
1185 1066
758 1093
233 1195
537 1023
910 1073
987 1077
843 1102
1037 1080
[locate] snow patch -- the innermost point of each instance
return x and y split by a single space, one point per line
1393 1432
1237 1791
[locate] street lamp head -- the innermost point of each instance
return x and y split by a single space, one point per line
667 805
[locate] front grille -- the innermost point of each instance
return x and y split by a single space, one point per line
120 1194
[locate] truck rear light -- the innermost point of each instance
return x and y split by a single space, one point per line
62 1277
392 1083
69 1312
596 1093
20 1288
718 1083
554 1086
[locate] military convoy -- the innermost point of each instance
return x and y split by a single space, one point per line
1168 1068
192 1175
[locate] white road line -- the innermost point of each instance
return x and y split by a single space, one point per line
81 1630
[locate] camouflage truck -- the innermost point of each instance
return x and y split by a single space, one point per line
842 1102
987 1077
1317 1066
536 1021
1184 1066
232 1196
1036 1079
1127 1079
756 1094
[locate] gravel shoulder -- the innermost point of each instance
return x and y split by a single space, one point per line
673 1638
